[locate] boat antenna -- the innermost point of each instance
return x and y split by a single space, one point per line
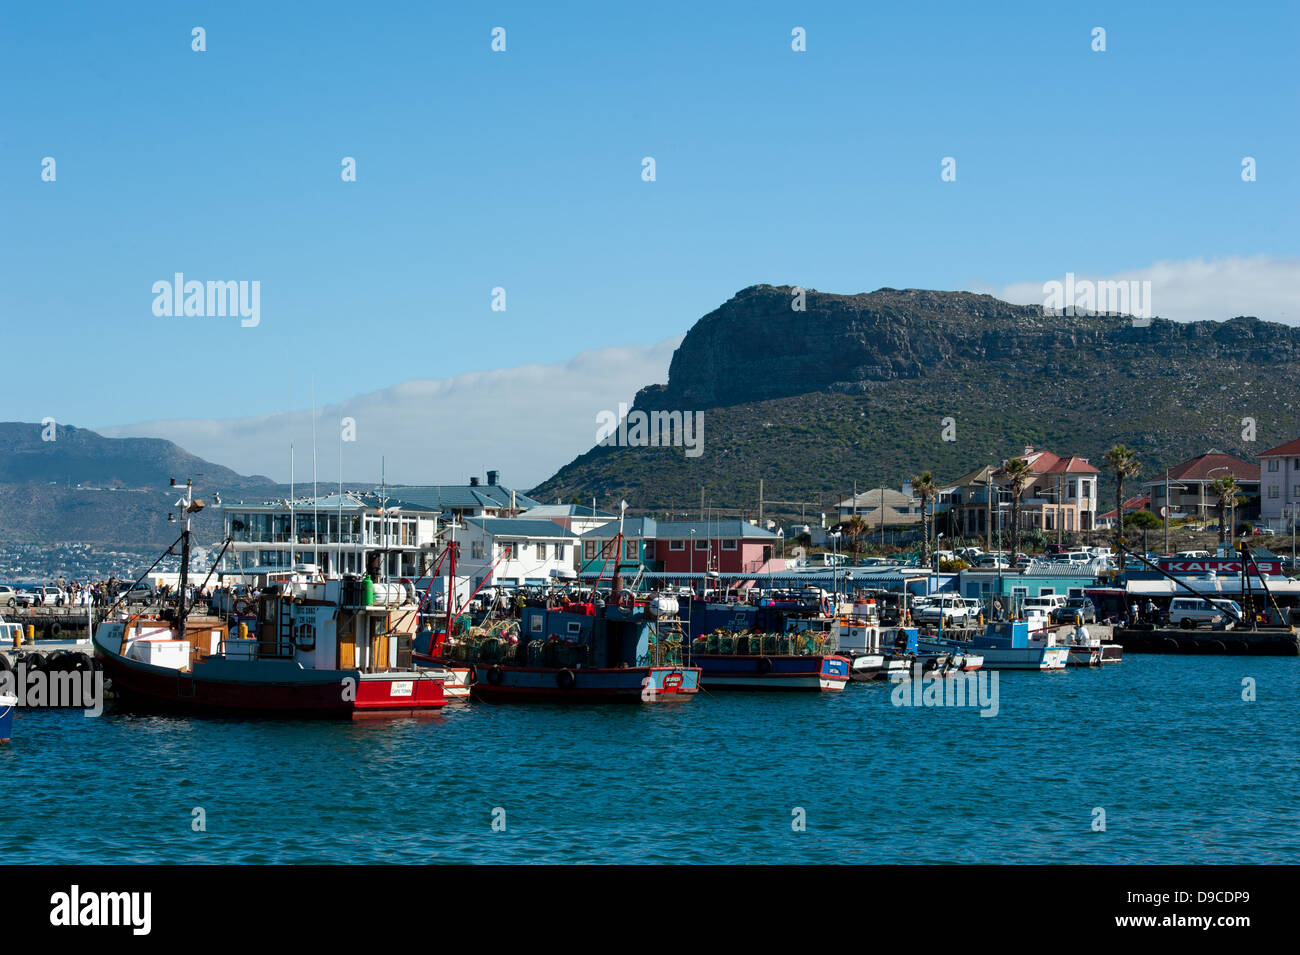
315 521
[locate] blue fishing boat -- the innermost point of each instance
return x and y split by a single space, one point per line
1011 645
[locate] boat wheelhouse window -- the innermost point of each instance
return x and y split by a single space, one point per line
536 624
575 627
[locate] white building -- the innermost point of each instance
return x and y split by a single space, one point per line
535 552
1279 485
338 533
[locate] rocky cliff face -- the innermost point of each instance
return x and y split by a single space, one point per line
756 347
857 388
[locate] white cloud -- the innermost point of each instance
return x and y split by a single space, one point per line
526 421
1195 289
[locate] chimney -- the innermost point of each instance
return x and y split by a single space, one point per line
492 477
473 482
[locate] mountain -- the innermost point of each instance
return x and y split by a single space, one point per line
859 387
81 486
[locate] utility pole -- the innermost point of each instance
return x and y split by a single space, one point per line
1060 510
988 517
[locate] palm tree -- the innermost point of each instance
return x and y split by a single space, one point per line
923 486
1017 472
1123 461
855 528
1225 490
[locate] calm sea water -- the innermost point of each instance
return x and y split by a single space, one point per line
1184 769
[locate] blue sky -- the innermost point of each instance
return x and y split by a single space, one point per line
523 170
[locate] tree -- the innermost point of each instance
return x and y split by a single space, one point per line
1225 491
923 486
1124 463
855 528
1017 473
1142 520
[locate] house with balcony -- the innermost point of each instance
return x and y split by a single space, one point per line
1191 484
1279 486
347 533
514 552
725 546
1060 493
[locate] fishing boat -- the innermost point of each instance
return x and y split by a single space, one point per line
1011 645
311 647
8 703
794 660
566 648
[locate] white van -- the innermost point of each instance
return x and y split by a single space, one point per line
1191 612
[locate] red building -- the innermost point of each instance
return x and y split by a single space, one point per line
728 547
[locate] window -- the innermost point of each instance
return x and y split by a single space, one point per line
1046 591
1272 465
629 550
1295 464
728 545
1075 591
1272 492
541 551
649 550
1295 490
1020 591
508 550
535 625
677 545
476 550
575 628
589 550
701 545
559 551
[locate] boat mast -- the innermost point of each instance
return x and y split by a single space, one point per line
187 506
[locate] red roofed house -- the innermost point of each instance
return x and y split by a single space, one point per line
1190 484
1279 485
1060 489
1133 504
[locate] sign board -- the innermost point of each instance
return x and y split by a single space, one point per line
1222 566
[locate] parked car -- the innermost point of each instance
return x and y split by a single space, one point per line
952 609
40 597
1193 555
139 594
1265 531
8 596
1191 612
1072 609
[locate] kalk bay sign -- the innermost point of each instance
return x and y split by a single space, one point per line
1220 565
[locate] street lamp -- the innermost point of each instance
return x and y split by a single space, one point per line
835 561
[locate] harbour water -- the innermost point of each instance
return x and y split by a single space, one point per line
1185 770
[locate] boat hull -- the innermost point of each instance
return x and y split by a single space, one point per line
736 672
1085 656
656 684
7 706
280 688
1027 658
